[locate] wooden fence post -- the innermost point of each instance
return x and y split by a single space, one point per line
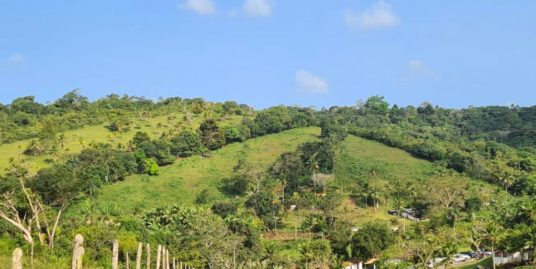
167 258
158 253
115 254
163 257
16 260
138 255
78 252
148 256
128 260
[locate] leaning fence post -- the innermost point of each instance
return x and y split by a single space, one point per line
78 252
138 256
148 256
158 253
16 260
115 254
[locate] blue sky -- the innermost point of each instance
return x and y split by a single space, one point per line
270 52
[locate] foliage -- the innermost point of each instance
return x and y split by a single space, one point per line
185 144
371 240
211 134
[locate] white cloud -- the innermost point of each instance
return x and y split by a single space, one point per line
257 8
310 82
16 58
201 7
418 68
380 15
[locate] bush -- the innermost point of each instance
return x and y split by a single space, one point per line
224 209
185 144
151 167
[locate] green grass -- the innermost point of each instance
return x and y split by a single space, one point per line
486 263
355 158
183 180
359 155
5 262
96 134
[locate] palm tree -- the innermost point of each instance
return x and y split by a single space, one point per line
448 251
34 148
306 252
492 235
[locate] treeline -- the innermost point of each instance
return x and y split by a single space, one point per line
26 118
440 135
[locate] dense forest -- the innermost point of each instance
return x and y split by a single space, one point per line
468 181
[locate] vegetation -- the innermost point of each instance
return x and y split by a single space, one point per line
225 186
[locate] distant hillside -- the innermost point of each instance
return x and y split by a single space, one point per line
76 140
184 180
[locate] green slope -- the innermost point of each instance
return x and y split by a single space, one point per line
182 181
354 160
75 140
359 155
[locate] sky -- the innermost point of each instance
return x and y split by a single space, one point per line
269 52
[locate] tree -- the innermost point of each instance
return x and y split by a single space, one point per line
140 138
377 105
423 249
198 233
232 134
316 251
72 101
224 209
447 192
14 202
493 233
159 150
185 144
34 148
372 239
211 135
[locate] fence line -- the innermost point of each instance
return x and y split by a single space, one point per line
163 258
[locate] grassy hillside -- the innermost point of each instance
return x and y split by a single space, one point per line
355 159
77 139
184 180
359 156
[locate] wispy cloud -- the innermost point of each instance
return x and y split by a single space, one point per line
16 58
201 7
380 15
311 83
257 8
418 68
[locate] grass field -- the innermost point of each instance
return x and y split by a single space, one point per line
183 180
360 155
75 140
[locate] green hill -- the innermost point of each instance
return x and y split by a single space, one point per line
76 140
182 181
